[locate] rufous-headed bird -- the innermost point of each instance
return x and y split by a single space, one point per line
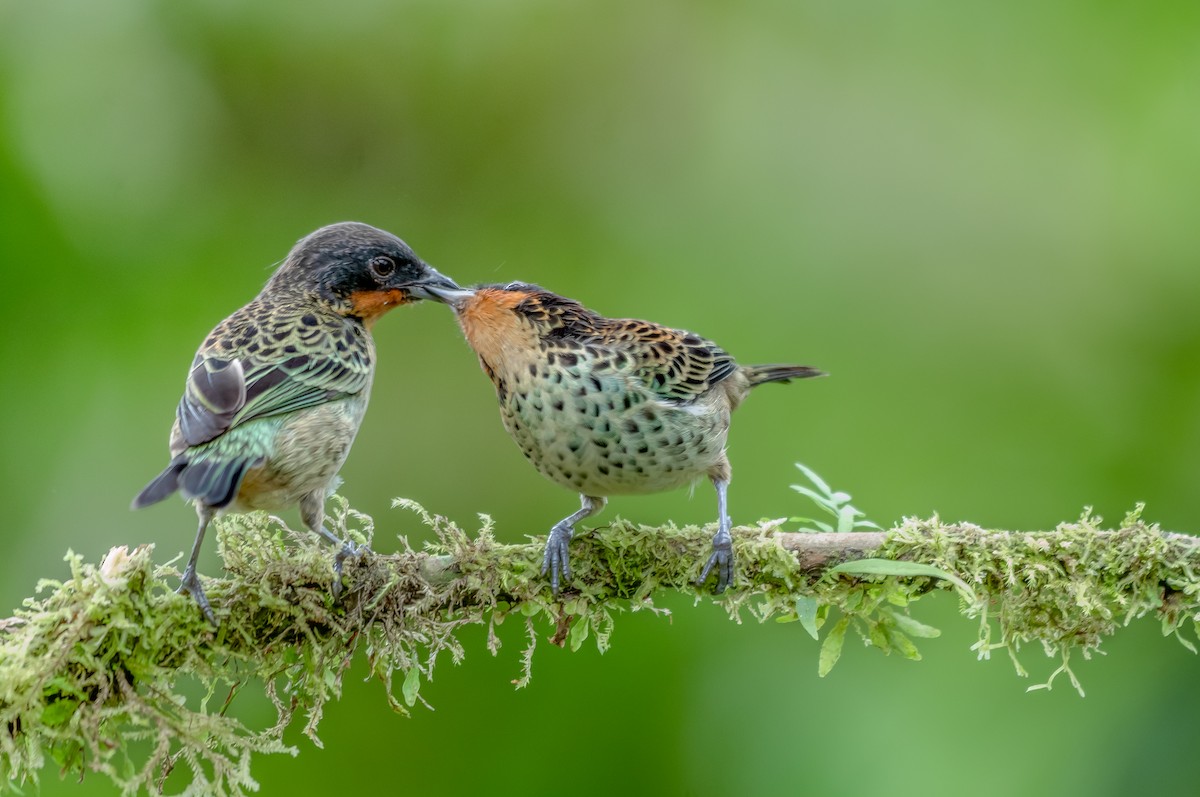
609 406
276 392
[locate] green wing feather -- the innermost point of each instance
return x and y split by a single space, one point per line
306 380
254 380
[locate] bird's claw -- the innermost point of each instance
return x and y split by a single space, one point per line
349 550
190 585
722 560
556 559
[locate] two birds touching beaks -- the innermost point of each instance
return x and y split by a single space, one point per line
601 406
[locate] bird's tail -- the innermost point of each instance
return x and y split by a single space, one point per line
214 481
761 374
164 484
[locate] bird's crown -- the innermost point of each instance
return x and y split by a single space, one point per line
543 309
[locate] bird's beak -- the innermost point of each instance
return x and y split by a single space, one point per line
433 287
445 291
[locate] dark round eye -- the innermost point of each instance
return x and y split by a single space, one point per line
382 266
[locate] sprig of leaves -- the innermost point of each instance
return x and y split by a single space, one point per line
867 609
833 502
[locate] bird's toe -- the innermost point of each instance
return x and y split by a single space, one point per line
721 560
349 550
190 585
556 559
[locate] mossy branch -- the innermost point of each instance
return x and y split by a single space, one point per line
100 672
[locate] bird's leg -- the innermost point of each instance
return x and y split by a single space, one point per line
556 559
312 512
722 543
190 583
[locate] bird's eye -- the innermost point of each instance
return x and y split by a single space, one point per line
382 266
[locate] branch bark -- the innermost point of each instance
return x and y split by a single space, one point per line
819 551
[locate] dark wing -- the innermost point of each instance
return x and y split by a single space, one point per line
673 364
223 391
215 391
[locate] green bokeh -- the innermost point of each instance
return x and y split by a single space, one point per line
980 218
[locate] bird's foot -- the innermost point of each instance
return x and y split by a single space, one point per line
190 585
349 550
556 559
721 559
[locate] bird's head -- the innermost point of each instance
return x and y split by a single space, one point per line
358 270
505 324
512 305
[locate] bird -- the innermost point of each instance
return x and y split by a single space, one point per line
276 392
609 406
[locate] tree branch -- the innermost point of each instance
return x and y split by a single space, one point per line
90 671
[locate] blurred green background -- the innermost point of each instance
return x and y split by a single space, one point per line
980 218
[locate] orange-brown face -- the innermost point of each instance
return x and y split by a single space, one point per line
491 308
500 335
371 305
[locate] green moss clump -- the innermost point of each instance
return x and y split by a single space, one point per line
110 671
1067 589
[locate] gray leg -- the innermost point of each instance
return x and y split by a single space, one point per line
722 555
312 512
556 559
190 583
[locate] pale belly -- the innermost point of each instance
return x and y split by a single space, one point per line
609 443
305 455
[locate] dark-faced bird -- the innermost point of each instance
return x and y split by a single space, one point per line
609 406
276 392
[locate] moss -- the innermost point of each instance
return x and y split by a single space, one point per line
1068 589
99 673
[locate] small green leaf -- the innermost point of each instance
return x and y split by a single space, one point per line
846 517
840 497
820 500
904 645
914 628
831 648
887 567
878 634
412 685
806 612
579 633
814 478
